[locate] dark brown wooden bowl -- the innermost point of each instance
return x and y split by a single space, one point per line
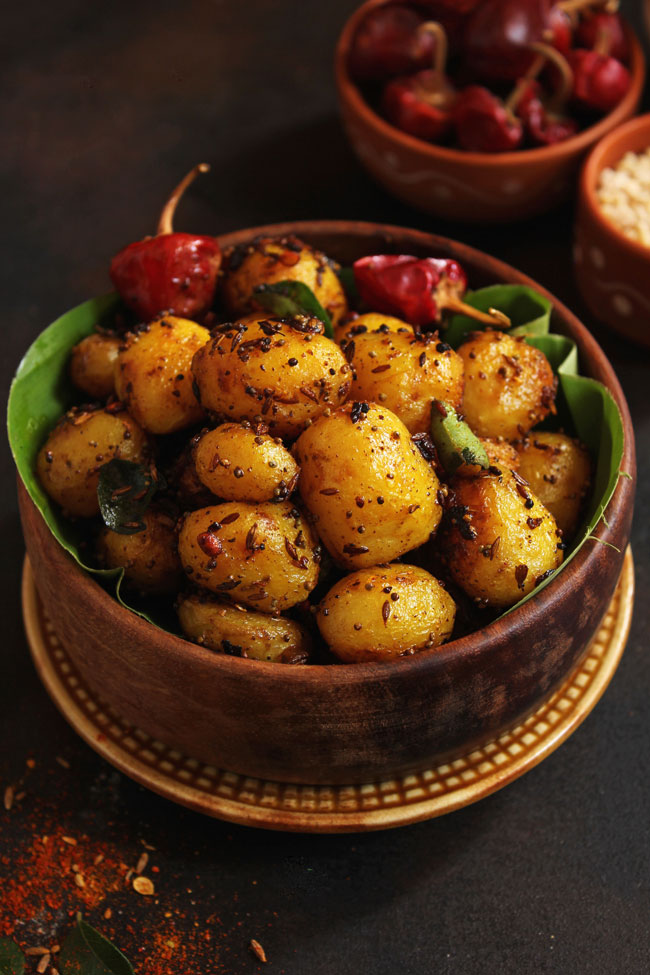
345 723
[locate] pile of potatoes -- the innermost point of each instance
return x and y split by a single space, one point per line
300 471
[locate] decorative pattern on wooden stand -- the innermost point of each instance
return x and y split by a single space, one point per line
329 809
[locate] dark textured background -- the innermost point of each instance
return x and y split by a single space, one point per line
105 106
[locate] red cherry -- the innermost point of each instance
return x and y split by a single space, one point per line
605 32
499 34
420 105
484 124
388 43
600 81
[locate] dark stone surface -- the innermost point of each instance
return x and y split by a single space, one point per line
106 106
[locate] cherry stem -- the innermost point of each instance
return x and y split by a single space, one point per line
439 34
515 95
576 6
603 43
490 317
167 215
565 86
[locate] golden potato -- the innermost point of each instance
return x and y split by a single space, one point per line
371 493
501 454
509 384
405 372
153 374
385 612
263 555
68 462
241 632
499 540
281 372
238 463
150 557
372 321
268 260
92 364
558 470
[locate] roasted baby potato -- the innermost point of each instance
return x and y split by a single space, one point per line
239 463
371 494
92 364
385 612
68 462
509 384
372 321
153 374
263 555
405 372
268 260
558 469
150 557
498 539
240 632
281 372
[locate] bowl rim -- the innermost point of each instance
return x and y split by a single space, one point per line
350 93
591 170
473 644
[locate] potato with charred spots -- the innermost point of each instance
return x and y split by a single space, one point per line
153 374
92 364
370 492
501 454
371 321
385 612
149 557
263 555
405 372
268 260
498 540
558 469
509 384
240 463
68 463
239 632
282 372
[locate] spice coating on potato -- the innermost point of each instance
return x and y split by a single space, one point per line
372 321
280 371
385 612
92 364
509 384
369 490
268 260
499 541
150 557
68 463
263 555
501 454
239 463
233 630
558 469
153 374
405 372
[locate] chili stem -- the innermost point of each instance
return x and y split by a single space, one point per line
490 317
167 215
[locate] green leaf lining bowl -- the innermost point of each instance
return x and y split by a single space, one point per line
352 723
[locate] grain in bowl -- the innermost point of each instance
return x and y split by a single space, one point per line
623 194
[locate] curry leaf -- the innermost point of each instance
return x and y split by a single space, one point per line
87 952
12 961
124 492
289 298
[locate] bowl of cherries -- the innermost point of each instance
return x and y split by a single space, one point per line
481 110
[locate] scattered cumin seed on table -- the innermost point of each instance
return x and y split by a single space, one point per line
257 950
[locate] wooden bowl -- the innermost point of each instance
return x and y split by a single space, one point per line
612 271
344 723
473 186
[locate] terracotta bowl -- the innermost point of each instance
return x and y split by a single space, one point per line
470 186
612 271
344 723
